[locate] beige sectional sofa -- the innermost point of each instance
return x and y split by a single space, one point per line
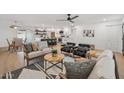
105 67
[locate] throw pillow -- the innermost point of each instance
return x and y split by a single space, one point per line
42 45
86 48
79 70
28 47
34 46
82 49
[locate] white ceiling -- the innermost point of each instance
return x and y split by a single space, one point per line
50 19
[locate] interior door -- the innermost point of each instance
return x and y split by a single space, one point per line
114 38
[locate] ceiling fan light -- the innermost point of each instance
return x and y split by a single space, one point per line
13 26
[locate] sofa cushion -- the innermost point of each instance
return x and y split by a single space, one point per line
42 44
82 49
34 46
39 53
71 44
28 47
79 70
66 49
104 69
35 54
106 53
84 45
46 50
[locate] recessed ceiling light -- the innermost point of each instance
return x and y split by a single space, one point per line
104 19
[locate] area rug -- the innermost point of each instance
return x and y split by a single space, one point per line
33 71
36 71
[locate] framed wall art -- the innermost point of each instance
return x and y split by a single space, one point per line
88 33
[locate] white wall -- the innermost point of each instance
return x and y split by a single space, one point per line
106 37
6 32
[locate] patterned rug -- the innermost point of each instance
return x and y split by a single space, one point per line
36 71
33 71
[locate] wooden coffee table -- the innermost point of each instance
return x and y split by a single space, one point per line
53 60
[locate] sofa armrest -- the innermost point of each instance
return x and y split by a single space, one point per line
62 76
25 51
88 55
71 50
26 55
116 67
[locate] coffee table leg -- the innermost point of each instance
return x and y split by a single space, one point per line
45 63
62 65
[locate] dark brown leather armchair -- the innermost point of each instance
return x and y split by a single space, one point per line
81 50
68 47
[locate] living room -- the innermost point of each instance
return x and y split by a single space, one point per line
53 46
73 38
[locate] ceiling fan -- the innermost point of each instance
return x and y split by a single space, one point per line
21 27
69 18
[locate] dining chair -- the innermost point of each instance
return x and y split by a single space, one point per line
10 45
18 43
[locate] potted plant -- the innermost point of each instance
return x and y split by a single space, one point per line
54 52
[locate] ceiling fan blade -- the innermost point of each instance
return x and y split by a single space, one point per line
44 30
22 29
61 20
12 26
71 21
74 17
